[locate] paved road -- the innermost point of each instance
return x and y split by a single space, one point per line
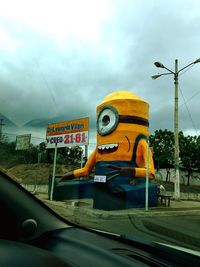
180 230
178 225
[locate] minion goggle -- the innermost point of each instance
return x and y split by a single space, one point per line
109 118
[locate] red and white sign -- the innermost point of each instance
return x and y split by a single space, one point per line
68 133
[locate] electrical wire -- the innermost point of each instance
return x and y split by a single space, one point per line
186 70
195 94
188 111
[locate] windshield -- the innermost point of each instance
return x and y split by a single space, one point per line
87 123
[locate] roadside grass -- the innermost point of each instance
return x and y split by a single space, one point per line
31 173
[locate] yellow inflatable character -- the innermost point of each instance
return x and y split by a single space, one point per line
122 132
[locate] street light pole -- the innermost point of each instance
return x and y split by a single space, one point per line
176 137
176 131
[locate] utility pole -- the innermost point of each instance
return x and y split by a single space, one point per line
176 137
1 125
175 73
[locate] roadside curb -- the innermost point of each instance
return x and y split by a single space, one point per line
138 213
120 214
146 222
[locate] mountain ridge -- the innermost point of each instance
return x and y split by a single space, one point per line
43 122
7 122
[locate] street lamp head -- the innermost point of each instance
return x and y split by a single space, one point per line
197 61
155 76
159 64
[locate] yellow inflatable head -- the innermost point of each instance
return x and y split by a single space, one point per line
121 117
122 132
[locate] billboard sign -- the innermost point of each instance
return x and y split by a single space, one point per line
23 142
68 133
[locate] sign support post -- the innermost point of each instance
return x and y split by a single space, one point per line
54 172
82 159
66 134
86 152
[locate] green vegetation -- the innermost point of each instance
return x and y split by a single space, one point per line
10 157
162 142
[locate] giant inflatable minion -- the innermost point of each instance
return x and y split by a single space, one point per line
120 157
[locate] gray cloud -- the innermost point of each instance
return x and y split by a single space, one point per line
41 77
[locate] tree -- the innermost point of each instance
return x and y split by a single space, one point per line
7 153
4 138
71 155
10 157
189 154
65 155
163 152
163 148
42 153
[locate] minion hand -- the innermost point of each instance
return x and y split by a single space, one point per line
67 176
123 170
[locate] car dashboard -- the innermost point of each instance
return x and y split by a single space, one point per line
33 235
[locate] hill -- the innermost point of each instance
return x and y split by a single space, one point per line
7 122
30 173
43 122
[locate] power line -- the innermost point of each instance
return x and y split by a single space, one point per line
195 94
188 111
186 70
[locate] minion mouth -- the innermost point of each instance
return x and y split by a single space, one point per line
107 148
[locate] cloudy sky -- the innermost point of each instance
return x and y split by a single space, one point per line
63 57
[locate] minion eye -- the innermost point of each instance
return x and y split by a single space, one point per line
107 120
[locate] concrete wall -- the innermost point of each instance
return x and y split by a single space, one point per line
187 196
194 180
37 188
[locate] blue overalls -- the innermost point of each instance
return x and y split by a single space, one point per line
117 192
